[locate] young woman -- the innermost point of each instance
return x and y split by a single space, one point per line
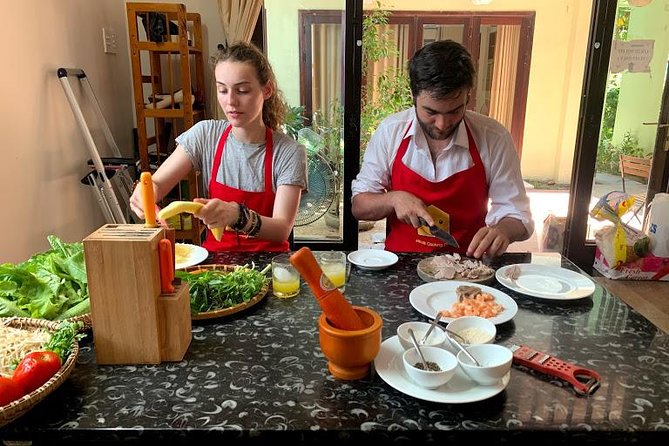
252 174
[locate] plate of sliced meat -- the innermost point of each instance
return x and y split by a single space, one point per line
454 267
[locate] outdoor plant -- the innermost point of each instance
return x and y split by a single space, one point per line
608 154
391 86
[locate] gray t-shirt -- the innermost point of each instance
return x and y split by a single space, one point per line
243 165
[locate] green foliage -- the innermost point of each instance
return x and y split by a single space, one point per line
608 154
294 121
391 86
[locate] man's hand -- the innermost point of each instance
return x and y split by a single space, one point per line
494 240
488 240
409 208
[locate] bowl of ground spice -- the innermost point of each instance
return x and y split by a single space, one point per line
438 369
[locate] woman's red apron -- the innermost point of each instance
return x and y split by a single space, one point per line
261 202
464 196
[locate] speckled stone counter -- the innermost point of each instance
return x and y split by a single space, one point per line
259 376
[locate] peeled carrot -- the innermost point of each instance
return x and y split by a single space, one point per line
148 200
337 309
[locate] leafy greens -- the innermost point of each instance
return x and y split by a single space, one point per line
49 285
215 289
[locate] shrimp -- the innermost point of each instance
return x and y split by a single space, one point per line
483 305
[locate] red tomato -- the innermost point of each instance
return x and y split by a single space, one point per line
9 391
35 369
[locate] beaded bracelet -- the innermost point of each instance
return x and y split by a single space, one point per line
257 224
243 218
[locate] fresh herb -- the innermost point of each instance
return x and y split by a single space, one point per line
214 289
63 338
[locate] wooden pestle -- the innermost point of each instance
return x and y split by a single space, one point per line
337 309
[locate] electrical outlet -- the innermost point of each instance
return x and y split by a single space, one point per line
109 41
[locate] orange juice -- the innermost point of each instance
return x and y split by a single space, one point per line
286 289
336 272
285 278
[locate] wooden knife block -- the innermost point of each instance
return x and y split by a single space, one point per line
133 323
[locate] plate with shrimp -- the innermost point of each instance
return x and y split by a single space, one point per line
455 299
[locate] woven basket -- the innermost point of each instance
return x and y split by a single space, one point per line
230 310
84 318
17 408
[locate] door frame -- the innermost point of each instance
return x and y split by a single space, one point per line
576 246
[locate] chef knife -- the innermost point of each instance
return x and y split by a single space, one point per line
441 234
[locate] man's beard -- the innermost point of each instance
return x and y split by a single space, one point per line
437 135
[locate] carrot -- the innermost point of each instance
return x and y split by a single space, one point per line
337 309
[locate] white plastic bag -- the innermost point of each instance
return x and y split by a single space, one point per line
657 225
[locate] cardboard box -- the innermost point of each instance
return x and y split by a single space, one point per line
643 268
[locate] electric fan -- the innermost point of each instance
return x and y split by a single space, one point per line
321 190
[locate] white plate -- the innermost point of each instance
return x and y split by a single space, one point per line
191 255
460 389
372 259
432 297
547 282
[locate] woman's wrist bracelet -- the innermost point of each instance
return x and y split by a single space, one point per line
257 224
243 218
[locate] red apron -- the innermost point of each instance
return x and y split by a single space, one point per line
464 196
261 202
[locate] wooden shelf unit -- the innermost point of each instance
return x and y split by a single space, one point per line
167 59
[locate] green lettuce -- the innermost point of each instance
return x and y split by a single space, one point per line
47 285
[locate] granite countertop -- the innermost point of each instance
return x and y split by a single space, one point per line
260 375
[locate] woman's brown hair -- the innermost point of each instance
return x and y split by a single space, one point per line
274 108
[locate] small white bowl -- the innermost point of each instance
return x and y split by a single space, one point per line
495 363
430 379
436 338
478 330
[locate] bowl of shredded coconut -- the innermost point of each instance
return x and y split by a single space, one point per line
473 329
454 267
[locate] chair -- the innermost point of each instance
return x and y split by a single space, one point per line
639 168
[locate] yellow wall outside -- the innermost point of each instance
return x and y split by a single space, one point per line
641 93
556 73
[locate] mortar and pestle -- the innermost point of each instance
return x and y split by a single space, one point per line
350 336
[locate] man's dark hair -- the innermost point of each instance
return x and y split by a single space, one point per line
441 68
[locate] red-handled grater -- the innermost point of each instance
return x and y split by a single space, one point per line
585 381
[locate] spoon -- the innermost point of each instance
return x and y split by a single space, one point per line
454 335
429 330
420 353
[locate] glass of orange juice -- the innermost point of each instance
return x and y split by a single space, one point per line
333 264
285 278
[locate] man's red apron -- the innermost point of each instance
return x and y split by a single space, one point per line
261 202
464 196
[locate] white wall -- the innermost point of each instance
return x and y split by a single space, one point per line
43 152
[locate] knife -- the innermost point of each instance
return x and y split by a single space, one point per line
441 234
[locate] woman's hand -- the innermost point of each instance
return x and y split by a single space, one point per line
217 213
137 203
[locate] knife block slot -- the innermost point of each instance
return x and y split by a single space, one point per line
133 323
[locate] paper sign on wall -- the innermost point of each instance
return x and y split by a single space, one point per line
633 56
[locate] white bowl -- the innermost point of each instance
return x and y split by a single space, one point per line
430 379
478 330
495 363
436 338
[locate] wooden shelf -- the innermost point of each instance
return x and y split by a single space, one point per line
166 59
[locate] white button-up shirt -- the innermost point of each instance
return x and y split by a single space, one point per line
506 189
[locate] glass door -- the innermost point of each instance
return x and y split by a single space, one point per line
626 89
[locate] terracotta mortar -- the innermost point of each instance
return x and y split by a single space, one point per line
350 352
